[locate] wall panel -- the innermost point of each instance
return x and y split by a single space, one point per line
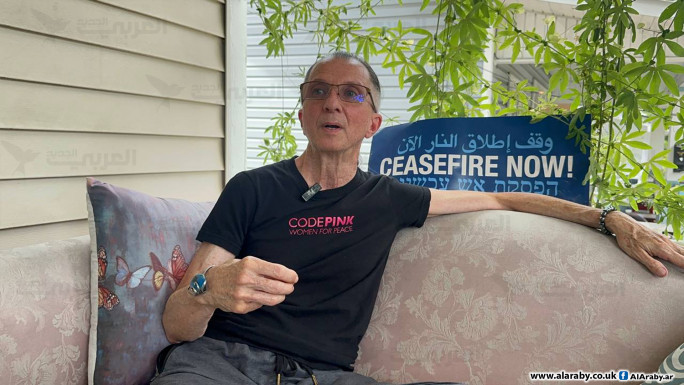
202 15
130 92
102 25
38 205
87 66
22 236
39 154
35 106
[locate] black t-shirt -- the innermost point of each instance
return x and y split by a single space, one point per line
337 242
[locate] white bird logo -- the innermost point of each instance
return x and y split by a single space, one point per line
51 24
165 89
21 156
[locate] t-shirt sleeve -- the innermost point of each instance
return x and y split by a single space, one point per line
410 202
230 219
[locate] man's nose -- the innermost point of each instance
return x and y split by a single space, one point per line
332 101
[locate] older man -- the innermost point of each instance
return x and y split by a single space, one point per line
311 236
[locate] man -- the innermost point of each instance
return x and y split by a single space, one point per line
294 306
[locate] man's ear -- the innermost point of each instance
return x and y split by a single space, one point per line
376 121
299 114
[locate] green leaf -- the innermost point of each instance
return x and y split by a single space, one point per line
661 154
547 55
575 103
565 80
650 186
677 227
645 80
660 56
402 74
675 47
632 69
537 119
538 54
633 134
637 144
470 100
647 47
676 68
678 21
554 80
666 163
668 12
658 175
654 85
670 82
627 99
516 50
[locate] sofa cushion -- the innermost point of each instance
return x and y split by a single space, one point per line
140 248
45 313
487 297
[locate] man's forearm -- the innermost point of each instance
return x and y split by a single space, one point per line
185 317
637 241
554 207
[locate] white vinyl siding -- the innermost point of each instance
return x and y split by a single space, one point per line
131 93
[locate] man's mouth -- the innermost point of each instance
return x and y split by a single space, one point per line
332 126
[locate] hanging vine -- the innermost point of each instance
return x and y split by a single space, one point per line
621 88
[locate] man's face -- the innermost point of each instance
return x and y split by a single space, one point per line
333 125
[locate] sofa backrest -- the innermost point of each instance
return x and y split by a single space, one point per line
487 297
483 298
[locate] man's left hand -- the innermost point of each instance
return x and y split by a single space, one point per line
643 244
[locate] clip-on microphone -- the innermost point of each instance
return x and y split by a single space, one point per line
308 194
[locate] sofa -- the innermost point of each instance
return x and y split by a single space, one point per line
482 298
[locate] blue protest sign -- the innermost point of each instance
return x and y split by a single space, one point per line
484 154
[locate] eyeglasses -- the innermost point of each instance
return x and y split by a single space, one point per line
351 93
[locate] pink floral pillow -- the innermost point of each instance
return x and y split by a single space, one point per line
140 249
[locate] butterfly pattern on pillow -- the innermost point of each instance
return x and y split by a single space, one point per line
124 275
173 272
105 297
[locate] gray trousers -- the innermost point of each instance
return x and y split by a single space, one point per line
208 361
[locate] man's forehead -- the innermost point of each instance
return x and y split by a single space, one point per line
342 71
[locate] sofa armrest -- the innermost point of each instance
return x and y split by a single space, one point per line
45 317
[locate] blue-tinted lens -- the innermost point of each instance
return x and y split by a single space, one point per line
352 93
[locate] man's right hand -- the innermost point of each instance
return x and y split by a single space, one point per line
233 285
244 285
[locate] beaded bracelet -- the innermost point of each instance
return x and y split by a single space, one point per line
602 221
